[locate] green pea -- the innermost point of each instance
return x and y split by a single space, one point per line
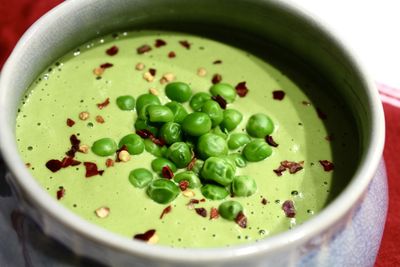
144 125
218 170
211 145
171 132
133 142
126 102
158 113
198 100
146 99
178 91
214 192
231 120
178 110
243 186
239 160
230 209
158 164
237 140
218 131
198 165
163 191
259 125
257 150
104 147
180 154
140 177
225 90
214 111
196 124
155 150
189 176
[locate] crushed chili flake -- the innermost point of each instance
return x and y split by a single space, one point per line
264 201
60 192
321 114
218 61
214 214
279 170
270 141
143 49
292 166
74 146
70 122
217 78
241 220
171 54
69 161
165 211
159 43
54 165
91 169
278 94
220 100
145 236
106 65
183 185
201 211
289 209
166 172
191 164
193 201
99 119
241 89
113 50
109 163
203 200
104 103
185 44
144 133
157 141
328 166
152 71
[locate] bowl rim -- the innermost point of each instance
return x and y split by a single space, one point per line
337 209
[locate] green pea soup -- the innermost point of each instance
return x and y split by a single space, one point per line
310 127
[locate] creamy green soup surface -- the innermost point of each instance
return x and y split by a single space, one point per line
311 129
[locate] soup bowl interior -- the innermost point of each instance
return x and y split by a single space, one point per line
253 25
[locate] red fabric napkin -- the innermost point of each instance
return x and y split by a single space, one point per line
17 16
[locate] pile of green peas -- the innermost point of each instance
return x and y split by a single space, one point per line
206 134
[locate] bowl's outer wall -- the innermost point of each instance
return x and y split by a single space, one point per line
81 21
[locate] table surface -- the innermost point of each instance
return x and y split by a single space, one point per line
370 28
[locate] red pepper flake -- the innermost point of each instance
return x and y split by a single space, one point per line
183 185
217 78
279 170
270 141
218 61
106 65
241 220
91 169
109 163
193 201
145 236
54 165
185 44
191 164
100 119
143 49
144 133
159 43
220 100
321 114
278 94
74 146
214 214
113 50
292 166
70 122
201 211
166 172
68 161
264 201
104 104
171 54
153 72
165 211
328 166
203 200
60 192
157 141
241 89
289 209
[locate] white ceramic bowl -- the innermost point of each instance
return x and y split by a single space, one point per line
74 22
